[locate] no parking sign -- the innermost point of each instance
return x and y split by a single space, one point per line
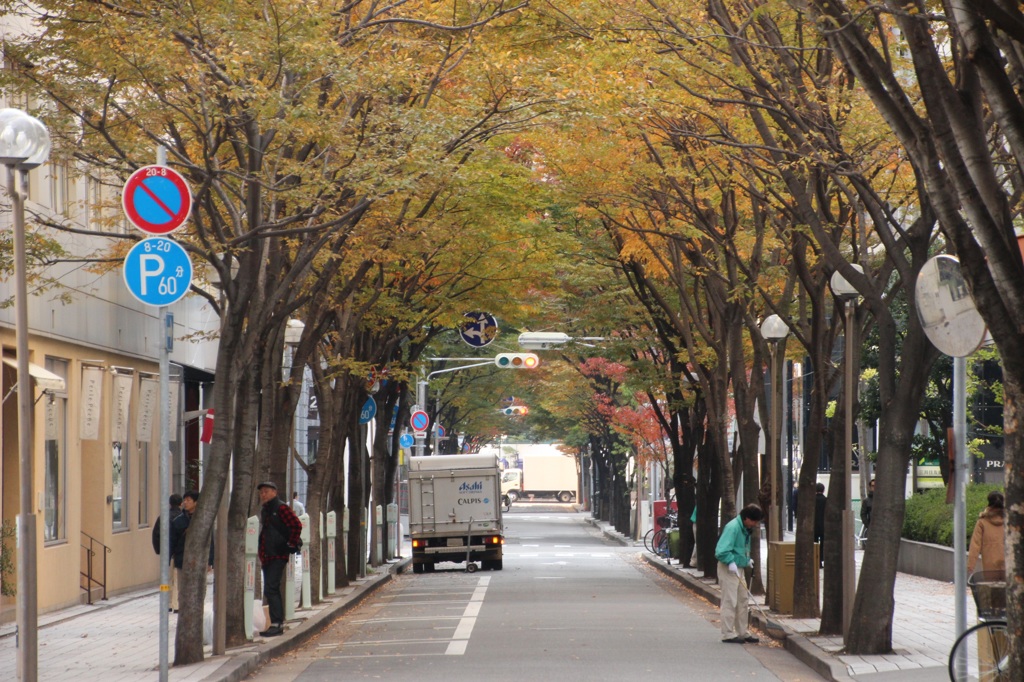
156 199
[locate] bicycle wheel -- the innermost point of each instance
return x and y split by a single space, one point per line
648 545
660 543
981 654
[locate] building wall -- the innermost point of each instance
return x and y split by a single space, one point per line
87 318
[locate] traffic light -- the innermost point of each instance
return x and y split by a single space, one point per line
516 410
516 360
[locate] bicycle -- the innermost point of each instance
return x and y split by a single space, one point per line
656 541
982 653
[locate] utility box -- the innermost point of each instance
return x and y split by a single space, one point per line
781 575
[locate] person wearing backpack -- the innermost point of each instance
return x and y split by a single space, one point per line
175 510
280 531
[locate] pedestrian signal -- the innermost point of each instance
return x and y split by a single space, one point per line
516 360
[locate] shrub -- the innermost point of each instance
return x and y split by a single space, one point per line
929 519
7 562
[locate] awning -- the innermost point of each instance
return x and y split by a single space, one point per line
44 378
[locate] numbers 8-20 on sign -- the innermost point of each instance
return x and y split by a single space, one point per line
158 271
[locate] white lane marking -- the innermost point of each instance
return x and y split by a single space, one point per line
457 648
463 631
550 577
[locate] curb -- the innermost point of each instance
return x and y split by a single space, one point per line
798 645
245 661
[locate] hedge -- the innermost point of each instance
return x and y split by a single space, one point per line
929 519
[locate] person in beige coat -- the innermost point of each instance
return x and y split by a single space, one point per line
987 540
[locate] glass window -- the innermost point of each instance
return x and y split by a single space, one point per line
143 466
55 483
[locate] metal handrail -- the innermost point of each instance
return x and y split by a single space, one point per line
90 553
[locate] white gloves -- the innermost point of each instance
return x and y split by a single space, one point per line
751 565
733 568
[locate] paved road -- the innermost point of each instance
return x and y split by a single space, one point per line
569 605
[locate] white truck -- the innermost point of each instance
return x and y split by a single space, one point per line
455 511
542 476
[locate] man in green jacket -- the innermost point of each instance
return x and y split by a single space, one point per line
733 554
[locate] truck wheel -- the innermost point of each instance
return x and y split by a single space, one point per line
429 568
496 565
565 497
417 568
513 495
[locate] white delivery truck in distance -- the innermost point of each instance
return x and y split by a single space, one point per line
455 511
551 475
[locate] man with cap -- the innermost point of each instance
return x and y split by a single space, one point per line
279 539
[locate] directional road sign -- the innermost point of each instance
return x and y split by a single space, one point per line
479 329
158 271
419 420
406 440
368 412
156 199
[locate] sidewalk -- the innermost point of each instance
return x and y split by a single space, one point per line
118 640
923 630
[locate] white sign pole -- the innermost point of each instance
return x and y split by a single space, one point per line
252 545
307 601
332 534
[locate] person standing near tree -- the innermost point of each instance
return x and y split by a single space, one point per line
179 530
733 554
987 540
174 503
280 537
865 509
297 506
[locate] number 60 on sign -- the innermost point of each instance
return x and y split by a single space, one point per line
158 271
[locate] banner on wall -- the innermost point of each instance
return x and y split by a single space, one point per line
122 403
149 392
92 399
172 424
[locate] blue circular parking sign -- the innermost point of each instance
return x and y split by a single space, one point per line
158 271
368 412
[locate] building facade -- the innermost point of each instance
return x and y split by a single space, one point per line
94 354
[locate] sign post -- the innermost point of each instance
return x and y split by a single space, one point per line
158 201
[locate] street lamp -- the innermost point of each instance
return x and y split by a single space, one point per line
846 293
775 331
24 145
549 340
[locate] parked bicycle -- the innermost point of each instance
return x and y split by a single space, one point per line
656 541
982 653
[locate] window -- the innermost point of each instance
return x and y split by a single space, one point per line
143 460
55 483
120 450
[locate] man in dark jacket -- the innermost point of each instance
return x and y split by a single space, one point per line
179 528
175 504
280 531
865 509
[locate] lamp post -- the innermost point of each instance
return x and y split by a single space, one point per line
292 336
846 293
24 145
775 331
